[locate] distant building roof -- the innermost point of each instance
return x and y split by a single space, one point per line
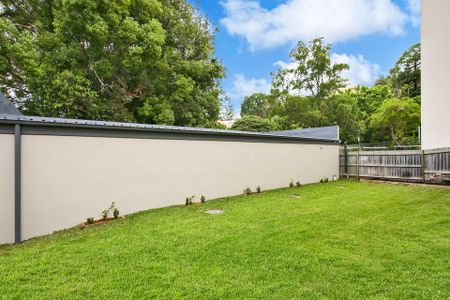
6 107
327 132
227 124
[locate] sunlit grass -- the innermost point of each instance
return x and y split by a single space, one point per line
335 240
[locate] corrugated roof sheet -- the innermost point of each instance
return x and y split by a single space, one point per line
327 132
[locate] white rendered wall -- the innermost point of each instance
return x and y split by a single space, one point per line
66 179
435 74
6 188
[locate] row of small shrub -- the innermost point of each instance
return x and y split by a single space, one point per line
190 200
107 212
292 184
248 191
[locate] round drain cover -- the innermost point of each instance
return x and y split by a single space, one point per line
214 211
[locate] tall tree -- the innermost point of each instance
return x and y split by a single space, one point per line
227 113
312 72
397 120
257 104
367 102
405 75
252 123
342 109
297 112
149 61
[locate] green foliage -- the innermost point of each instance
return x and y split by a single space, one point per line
90 220
257 104
405 75
298 184
298 112
111 208
148 61
291 184
355 110
258 189
369 99
397 120
342 109
203 199
252 123
190 200
247 191
116 213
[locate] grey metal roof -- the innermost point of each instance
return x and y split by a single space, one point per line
327 132
9 114
6 107
62 122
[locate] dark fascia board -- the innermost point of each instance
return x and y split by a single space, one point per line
70 127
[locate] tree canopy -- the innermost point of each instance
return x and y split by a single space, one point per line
396 120
252 123
149 61
256 104
310 92
313 73
405 75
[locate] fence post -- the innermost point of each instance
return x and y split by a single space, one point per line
345 160
357 165
422 161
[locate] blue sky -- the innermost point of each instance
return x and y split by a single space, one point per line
256 36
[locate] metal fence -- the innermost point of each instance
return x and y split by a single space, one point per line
411 165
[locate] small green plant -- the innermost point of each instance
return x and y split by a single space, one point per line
116 213
247 191
190 200
326 179
110 209
321 180
258 189
90 220
298 184
291 184
202 199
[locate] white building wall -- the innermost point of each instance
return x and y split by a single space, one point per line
66 179
6 188
435 73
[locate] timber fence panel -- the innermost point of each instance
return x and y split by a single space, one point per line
411 165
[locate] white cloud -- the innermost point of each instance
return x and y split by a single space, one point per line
243 86
414 8
294 20
361 72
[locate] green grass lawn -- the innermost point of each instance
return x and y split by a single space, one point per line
365 240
